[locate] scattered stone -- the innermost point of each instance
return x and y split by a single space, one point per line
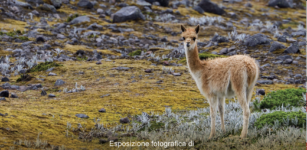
256 39
52 74
148 70
112 139
4 93
124 120
2 99
43 93
105 95
51 95
5 79
177 74
281 3
59 82
102 110
265 82
13 95
80 19
211 7
86 4
121 68
98 62
127 14
260 92
82 116
276 45
293 48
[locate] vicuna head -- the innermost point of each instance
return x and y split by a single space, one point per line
189 36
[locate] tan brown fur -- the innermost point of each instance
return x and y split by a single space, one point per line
221 77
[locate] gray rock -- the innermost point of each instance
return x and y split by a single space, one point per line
56 3
4 93
293 48
50 69
211 7
48 7
2 99
5 79
43 93
52 74
299 33
124 120
60 36
219 39
127 14
276 46
281 3
80 20
51 95
265 82
6 85
282 38
82 116
224 51
105 95
21 4
59 82
86 4
260 92
102 110
284 57
100 11
143 3
288 61
256 39
121 68
13 95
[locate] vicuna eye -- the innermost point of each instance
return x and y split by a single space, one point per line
194 39
183 38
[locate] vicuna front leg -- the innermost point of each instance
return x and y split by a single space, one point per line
213 108
221 104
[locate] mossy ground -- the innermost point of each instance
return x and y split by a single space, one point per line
34 113
31 113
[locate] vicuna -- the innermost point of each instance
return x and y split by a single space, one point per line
221 77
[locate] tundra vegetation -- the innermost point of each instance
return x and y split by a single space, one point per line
77 74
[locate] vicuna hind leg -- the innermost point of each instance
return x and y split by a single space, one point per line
221 103
240 88
213 108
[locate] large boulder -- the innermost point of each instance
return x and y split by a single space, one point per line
128 13
48 7
86 4
57 3
163 3
20 4
256 39
293 48
80 20
281 3
210 7
276 46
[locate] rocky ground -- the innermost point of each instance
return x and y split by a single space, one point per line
68 62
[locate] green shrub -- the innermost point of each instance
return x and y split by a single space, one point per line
11 34
153 126
281 116
275 99
137 52
1 33
81 58
72 17
43 66
24 38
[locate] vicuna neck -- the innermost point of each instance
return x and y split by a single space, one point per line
193 60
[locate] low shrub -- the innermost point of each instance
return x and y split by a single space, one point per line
275 99
137 52
43 66
297 119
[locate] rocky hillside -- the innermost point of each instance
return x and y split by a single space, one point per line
66 62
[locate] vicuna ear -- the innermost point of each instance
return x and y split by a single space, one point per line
183 29
197 29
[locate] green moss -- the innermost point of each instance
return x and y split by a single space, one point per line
275 99
43 66
24 38
72 17
137 52
1 33
93 36
11 34
82 58
154 126
280 116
